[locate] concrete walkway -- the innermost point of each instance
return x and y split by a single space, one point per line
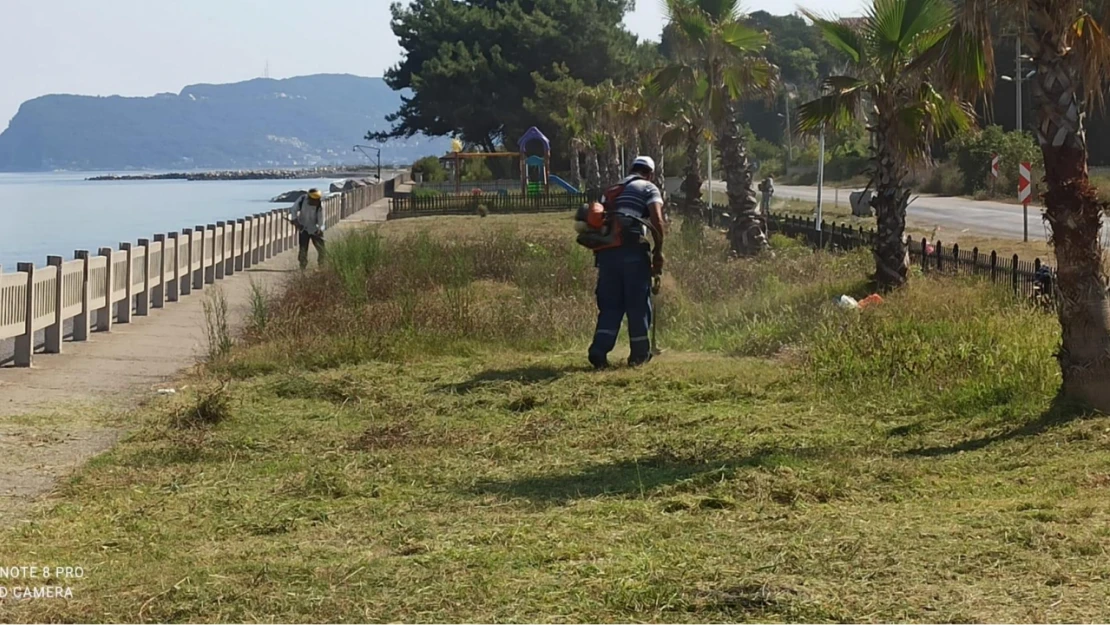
114 371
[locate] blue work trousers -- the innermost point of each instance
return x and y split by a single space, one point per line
623 288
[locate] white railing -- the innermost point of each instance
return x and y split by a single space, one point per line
112 286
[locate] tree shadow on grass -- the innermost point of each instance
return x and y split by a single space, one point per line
637 477
1059 413
521 375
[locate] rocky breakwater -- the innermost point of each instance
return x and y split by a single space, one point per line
261 174
336 187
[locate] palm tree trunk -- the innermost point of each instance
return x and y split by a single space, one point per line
612 161
746 231
892 256
576 162
691 183
593 171
654 138
1073 211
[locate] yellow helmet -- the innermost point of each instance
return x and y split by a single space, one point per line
314 194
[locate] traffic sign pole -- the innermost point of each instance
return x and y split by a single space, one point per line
1025 193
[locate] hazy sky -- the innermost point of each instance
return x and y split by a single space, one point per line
143 47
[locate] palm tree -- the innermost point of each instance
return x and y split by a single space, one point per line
720 61
888 84
1071 55
650 116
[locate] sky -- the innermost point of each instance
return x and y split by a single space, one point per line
144 47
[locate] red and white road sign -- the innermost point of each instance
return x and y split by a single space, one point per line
996 161
1025 183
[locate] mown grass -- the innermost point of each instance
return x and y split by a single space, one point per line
784 460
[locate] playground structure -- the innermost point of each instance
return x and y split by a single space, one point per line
535 176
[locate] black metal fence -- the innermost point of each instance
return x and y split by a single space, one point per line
1027 278
494 203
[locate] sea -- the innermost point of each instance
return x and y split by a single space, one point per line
43 214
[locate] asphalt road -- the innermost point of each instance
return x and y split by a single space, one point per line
992 219
989 219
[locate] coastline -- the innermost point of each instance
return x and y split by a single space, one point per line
261 174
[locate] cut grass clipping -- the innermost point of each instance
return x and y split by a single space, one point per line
412 435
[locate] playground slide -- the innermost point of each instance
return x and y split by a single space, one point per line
566 186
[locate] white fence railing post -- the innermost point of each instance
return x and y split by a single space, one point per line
25 343
240 243
157 273
210 254
53 332
219 234
142 298
83 321
248 242
123 310
187 277
174 278
104 314
231 231
198 258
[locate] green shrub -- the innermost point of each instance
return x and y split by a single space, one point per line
972 154
431 168
944 179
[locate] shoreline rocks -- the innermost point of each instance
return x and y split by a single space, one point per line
262 174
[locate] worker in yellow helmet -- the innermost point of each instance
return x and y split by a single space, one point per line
307 214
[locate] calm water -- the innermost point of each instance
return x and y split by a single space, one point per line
57 213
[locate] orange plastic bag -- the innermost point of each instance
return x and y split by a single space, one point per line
871 300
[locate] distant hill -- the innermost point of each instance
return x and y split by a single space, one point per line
303 121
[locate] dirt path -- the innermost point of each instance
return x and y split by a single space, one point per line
65 410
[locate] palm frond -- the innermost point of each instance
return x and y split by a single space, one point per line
1093 46
720 11
692 23
666 78
834 110
962 60
743 39
840 36
753 77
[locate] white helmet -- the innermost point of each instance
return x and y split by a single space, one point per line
644 161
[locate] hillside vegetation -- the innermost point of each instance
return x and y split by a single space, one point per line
411 434
303 121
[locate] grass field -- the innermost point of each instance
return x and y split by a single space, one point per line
412 435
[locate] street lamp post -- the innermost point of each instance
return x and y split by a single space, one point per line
378 159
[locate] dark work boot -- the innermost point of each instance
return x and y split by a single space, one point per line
599 363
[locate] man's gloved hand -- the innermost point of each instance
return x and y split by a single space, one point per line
657 263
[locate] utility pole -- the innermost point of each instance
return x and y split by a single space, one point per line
710 159
820 184
789 140
1018 79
